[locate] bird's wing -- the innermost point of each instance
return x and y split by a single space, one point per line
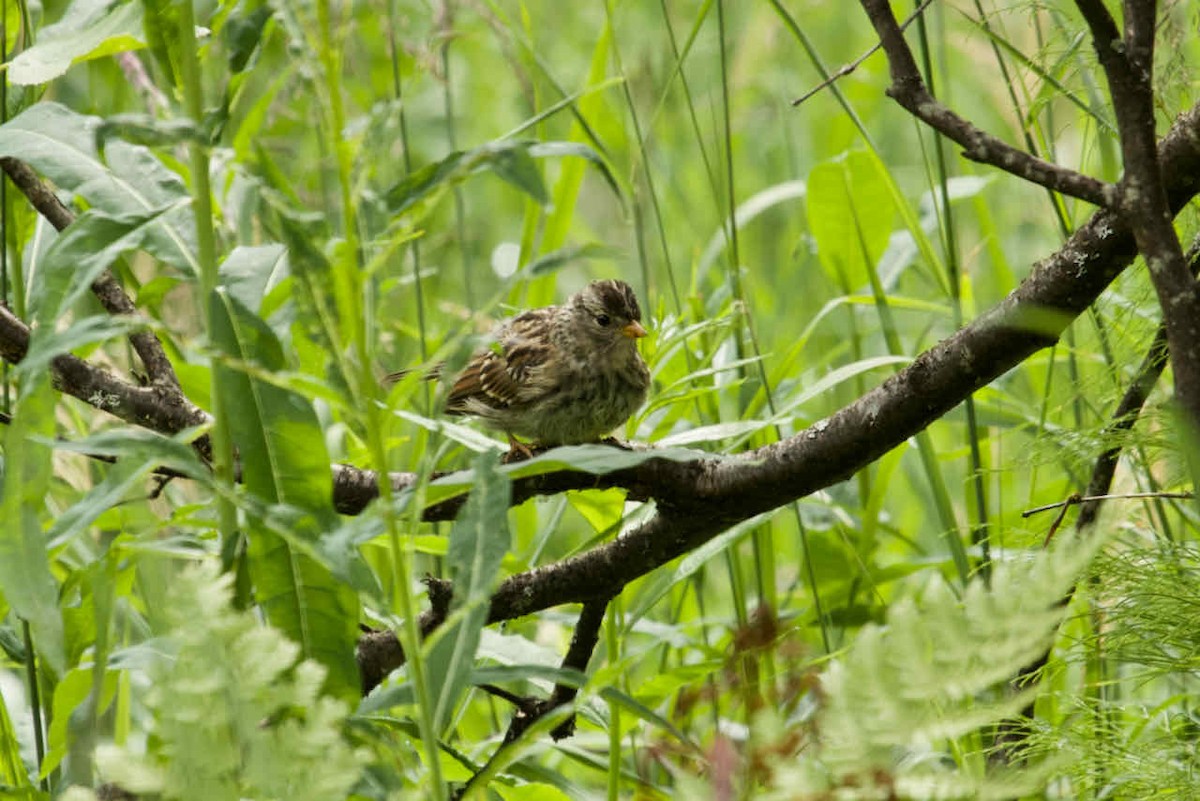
509 372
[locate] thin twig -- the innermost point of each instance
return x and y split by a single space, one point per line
1077 498
846 69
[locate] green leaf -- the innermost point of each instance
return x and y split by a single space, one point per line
516 165
755 205
25 577
547 674
284 461
61 145
88 29
579 150
931 672
602 509
83 332
549 262
242 32
511 161
69 694
80 253
712 433
160 28
480 537
143 129
596 459
249 273
478 542
652 591
850 215
626 701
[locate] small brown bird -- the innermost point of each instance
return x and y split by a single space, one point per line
559 375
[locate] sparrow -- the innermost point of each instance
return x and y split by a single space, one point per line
559 375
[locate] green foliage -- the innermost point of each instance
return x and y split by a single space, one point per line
935 673
29 587
285 463
234 713
383 181
478 542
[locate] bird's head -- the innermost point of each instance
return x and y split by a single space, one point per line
608 311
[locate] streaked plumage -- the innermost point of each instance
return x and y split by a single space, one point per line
560 374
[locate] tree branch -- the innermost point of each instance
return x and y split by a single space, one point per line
106 287
156 407
909 90
583 643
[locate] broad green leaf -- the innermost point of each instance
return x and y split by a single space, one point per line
603 509
478 542
61 145
530 791
850 216
25 577
284 461
250 272
88 29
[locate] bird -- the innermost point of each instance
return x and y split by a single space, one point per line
559 375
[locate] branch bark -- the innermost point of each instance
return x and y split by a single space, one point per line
157 407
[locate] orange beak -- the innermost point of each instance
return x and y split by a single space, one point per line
633 329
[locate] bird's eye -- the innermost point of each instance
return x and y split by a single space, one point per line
603 319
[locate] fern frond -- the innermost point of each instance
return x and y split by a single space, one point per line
234 715
934 673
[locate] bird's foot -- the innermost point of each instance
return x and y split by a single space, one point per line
517 451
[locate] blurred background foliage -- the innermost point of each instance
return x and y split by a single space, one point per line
390 176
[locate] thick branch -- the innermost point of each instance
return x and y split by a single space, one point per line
106 287
909 90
